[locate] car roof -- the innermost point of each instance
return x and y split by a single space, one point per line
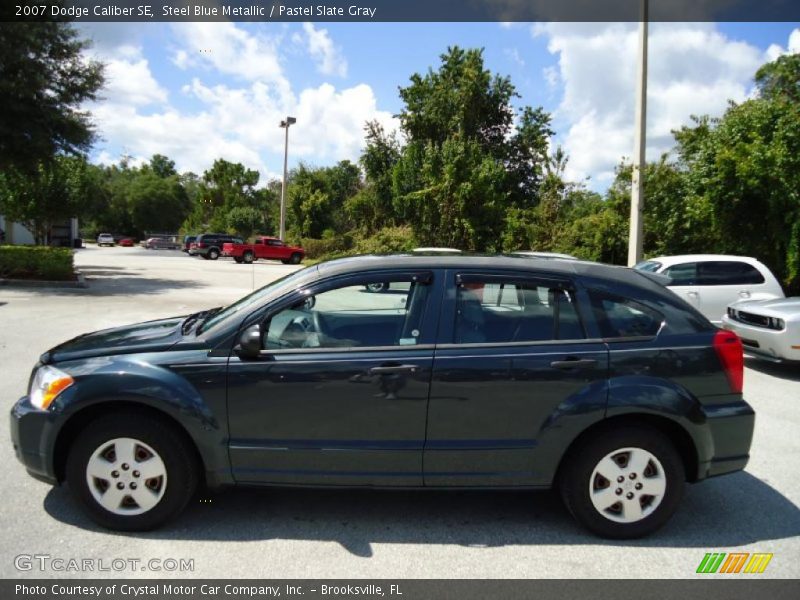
556 266
682 258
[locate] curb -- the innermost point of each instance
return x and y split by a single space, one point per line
35 283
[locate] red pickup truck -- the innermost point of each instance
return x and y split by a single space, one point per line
269 248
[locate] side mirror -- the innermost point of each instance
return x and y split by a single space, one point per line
249 342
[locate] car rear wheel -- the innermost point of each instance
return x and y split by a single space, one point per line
248 257
295 258
213 254
623 483
238 259
131 472
377 287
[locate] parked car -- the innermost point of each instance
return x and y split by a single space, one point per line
264 247
209 245
105 239
710 282
487 372
162 243
126 242
769 329
187 242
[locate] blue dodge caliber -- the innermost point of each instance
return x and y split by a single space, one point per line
454 372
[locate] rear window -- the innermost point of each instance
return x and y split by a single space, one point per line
727 273
620 317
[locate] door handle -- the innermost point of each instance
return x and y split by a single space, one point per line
574 363
692 294
744 294
388 369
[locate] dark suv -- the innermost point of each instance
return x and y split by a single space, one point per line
209 245
468 372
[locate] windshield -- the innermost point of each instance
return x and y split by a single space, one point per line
651 266
279 285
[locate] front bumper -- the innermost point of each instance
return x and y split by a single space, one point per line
33 436
730 434
764 343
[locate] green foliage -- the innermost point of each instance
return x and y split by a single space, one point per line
245 220
44 81
780 79
317 198
327 247
57 190
36 262
386 240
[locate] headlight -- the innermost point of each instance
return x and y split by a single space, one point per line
47 384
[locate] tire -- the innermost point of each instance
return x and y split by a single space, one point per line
248 257
148 440
204 256
238 259
295 258
656 467
377 288
213 254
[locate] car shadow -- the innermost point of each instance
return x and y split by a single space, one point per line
730 511
118 281
790 371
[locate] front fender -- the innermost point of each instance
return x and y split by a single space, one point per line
126 380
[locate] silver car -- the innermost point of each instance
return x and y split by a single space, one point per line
769 329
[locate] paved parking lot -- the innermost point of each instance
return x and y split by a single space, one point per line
364 534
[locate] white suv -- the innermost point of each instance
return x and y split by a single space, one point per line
105 239
712 281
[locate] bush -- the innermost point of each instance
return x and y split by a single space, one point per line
388 239
337 245
36 262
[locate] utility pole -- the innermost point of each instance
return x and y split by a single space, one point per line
285 125
639 145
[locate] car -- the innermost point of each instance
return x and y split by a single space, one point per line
485 372
187 242
209 245
161 243
105 239
537 254
769 329
265 247
126 242
710 282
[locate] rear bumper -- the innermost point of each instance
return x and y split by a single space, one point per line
730 432
32 435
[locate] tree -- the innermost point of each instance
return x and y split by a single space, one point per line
56 191
245 220
780 79
44 82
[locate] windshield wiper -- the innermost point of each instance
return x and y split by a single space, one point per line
206 315
189 321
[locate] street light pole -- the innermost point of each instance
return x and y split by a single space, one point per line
285 125
639 145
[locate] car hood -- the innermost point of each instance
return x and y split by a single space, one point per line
775 307
150 336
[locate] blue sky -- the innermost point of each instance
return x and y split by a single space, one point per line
198 91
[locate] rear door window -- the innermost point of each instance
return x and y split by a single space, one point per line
728 273
492 311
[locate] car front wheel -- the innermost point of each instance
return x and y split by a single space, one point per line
623 483
213 254
248 257
131 472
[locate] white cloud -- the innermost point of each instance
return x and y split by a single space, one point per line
129 80
794 41
327 56
693 70
513 54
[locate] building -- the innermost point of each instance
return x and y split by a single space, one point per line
62 233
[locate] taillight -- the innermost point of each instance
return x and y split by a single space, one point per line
731 355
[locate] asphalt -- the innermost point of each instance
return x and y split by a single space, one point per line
293 533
